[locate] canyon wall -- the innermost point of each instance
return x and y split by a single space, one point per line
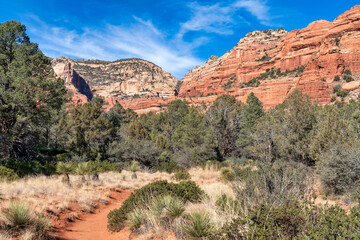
269 63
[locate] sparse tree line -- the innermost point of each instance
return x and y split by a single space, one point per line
274 153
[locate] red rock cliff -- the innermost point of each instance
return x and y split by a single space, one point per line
325 49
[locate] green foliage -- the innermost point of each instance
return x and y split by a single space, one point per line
23 168
30 94
264 58
342 93
339 168
7 174
143 151
222 118
227 175
198 225
294 221
333 99
135 219
134 166
186 191
336 78
270 183
337 41
272 74
166 164
181 175
225 203
89 167
229 83
18 217
348 72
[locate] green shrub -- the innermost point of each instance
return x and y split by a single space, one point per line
198 225
348 78
166 164
135 218
17 215
271 183
333 99
339 169
7 174
134 166
186 191
225 203
336 78
85 167
227 174
181 175
66 167
23 168
347 72
336 88
342 93
293 221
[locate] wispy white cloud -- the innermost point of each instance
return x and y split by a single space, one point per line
208 18
144 40
257 8
140 39
219 18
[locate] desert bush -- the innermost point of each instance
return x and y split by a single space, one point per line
336 78
166 164
23 168
342 93
65 167
186 191
225 203
198 225
159 211
339 169
181 175
85 167
134 166
293 221
7 174
135 219
227 174
271 183
18 218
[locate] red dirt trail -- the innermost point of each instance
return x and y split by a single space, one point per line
94 226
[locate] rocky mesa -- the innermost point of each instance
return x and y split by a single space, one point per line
269 63
117 80
274 62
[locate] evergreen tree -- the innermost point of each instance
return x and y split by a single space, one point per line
30 94
223 118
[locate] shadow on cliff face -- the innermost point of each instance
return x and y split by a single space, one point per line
81 85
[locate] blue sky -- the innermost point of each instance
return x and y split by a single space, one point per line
176 35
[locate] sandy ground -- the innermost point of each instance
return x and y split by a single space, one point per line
92 226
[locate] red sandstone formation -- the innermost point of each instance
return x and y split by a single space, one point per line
324 49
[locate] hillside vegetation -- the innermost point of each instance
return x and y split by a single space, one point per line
272 160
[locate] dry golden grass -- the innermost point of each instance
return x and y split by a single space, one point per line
44 193
50 195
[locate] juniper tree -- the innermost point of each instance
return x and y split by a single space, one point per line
30 94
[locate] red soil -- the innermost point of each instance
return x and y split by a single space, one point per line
93 226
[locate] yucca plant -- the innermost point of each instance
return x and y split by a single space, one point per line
17 215
65 167
42 227
134 166
136 218
198 225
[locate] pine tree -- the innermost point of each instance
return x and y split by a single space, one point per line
30 94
